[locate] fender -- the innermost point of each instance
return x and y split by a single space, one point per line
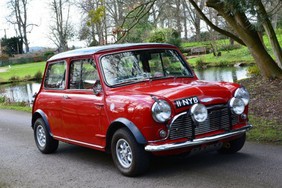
132 127
40 113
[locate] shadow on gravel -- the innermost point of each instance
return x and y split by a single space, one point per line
160 166
84 155
170 166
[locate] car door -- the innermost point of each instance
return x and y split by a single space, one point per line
82 109
54 85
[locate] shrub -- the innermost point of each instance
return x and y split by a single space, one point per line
48 54
229 47
253 70
14 79
38 75
200 64
2 99
27 77
165 35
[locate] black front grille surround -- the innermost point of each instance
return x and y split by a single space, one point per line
219 118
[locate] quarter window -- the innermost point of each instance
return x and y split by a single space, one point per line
55 76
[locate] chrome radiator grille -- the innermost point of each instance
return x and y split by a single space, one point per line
218 119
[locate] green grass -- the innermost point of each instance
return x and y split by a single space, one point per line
230 57
15 106
265 131
21 72
227 58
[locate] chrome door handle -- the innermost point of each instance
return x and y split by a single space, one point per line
66 97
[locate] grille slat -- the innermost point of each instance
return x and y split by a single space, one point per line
218 119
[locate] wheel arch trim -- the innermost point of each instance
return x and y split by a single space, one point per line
39 113
123 122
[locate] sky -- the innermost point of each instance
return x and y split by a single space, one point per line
38 13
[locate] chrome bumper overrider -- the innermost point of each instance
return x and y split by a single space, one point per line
164 147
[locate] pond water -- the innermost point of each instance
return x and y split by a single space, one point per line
23 92
228 74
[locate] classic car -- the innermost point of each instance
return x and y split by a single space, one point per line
135 101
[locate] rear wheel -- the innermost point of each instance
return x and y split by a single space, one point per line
233 146
44 141
129 157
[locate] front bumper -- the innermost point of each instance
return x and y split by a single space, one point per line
165 147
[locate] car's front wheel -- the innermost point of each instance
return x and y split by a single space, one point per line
44 141
129 157
233 146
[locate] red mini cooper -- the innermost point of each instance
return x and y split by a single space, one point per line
135 100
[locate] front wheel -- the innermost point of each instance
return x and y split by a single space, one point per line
129 157
44 141
233 146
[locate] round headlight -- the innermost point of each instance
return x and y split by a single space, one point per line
237 105
242 93
161 111
199 112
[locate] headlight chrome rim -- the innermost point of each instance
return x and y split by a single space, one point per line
242 93
237 106
199 113
161 111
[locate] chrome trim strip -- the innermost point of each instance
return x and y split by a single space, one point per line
78 142
164 147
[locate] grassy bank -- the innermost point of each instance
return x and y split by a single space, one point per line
265 131
22 72
15 106
229 55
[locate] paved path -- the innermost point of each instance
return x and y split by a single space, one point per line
22 165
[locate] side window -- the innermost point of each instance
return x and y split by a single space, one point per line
83 74
55 76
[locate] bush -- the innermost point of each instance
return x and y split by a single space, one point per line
253 70
14 79
200 64
38 75
27 77
48 54
2 99
165 35
229 47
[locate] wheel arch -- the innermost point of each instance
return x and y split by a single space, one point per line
120 123
40 114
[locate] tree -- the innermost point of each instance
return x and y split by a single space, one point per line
266 23
12 45
94 28
18 17
193 17
133 18
62 30
234 12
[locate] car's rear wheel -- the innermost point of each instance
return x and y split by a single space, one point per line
129 157
233 146
44 141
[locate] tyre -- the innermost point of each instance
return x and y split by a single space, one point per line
233 146
129 157
44 141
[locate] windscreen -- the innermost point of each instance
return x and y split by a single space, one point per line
135 66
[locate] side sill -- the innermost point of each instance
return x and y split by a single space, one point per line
67 140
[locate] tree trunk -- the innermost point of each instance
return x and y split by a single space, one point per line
270 33
241 25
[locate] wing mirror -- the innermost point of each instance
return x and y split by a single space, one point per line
97 87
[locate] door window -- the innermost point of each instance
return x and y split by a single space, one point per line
83 74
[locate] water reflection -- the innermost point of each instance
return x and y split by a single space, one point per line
229 74
23 92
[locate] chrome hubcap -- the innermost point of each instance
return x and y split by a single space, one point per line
124 153
41 136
